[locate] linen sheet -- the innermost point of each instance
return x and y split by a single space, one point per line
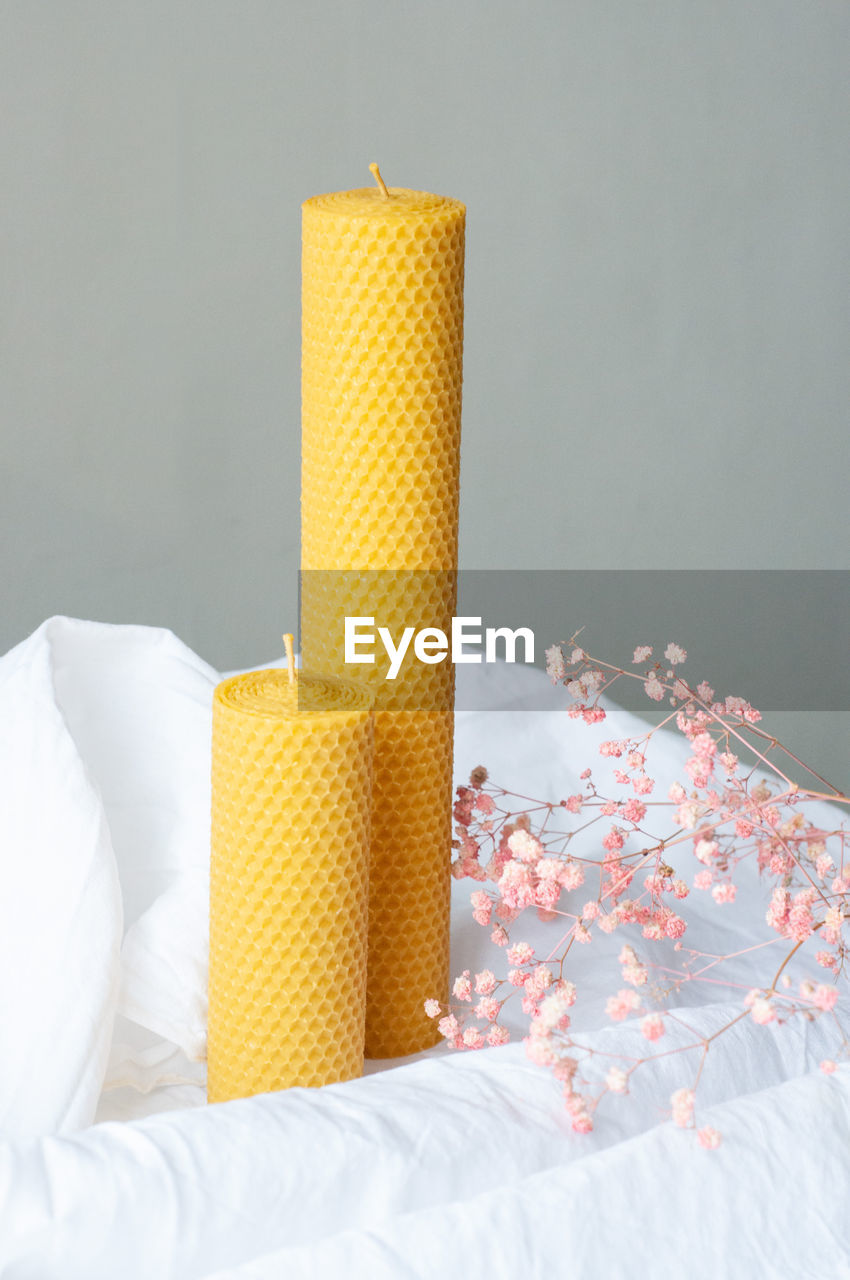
111 1164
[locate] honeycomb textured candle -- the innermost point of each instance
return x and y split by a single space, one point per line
382 338
291 802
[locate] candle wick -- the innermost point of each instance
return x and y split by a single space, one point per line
289 646
376 174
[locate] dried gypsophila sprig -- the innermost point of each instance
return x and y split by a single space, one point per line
728 812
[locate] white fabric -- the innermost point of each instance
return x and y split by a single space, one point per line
772 1203
104 848
452 1165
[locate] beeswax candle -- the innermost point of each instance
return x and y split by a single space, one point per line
291 800
382 338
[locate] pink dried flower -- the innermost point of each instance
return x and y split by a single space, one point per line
571 875
520 953
824 866
432 1008
582 1122
617 1080
654 689
498 1035
448 1026
613 840
547 893
634 971
516 885
463 986
565 991
800 921
761 1008
709 1138
551 1015
779 909
833 922
482 907
652 1026
487 1009
742 708
541 976
674 927
682 1103
688 814
625 1002
634 810
524 846
824 997
556 668
706 851
485 982
540 1051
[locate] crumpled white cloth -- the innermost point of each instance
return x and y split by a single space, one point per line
453 1165
447 1165
104 851
769 1204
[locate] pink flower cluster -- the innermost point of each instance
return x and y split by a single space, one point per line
722 813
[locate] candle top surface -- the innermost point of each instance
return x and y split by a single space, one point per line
370 202
270 693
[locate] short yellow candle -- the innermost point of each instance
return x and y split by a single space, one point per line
382 340
289 873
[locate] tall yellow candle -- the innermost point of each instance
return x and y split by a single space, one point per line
382 340
289 873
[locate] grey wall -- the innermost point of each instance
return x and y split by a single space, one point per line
657 285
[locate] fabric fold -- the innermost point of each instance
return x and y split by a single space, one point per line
60 909
763 1204
104 755
183 1193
